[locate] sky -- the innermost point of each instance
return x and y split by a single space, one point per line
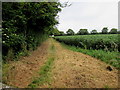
89 14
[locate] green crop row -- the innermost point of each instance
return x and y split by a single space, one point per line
108 42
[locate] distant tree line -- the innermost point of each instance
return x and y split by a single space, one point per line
85 32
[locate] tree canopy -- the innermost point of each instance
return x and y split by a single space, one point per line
105 30
113 31
70 32
26 24
94 32
83 32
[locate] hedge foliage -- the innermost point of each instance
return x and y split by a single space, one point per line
26 25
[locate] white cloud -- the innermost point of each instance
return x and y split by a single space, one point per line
90 15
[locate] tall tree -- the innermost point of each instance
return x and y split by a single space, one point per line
70 32
94 32
105 30
83 32
113 31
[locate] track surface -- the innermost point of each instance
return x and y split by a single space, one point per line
70 69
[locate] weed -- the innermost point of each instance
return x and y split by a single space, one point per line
106 87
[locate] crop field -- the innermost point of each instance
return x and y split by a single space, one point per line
107 42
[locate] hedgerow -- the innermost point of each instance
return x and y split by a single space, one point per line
25 25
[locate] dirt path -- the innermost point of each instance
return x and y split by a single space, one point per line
77 70
70 69
21 73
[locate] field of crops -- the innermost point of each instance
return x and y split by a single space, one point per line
107 42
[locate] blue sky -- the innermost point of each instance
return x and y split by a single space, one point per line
89 14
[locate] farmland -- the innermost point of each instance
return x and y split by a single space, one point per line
105 42
103 47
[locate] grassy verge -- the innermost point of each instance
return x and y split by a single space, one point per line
111 58
44 71
44 74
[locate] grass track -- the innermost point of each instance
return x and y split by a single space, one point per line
44 71
111 58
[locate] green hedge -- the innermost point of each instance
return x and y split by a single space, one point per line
26 25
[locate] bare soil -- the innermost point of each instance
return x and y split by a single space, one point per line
21 73
70 69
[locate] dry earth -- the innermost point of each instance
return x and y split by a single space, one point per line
70 69
76 70
21 73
